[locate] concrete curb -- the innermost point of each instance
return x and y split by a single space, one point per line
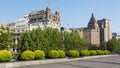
36 62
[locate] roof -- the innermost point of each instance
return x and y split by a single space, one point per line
92 24
92 19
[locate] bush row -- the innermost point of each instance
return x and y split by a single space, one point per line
94 52
6 56
29 55
38 54
75 53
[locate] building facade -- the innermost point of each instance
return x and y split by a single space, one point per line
92 32
43 19
78 30
96 32
105 30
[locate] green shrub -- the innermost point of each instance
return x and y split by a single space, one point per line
106 52
93 52
100 52
77 53
73 53
61 53
27 55
53 54
5 55
39 54
84 53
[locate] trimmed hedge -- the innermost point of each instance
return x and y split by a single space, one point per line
61 53
106 52
73 53
5 56
28 55
53 54
93 52
84 53
39 54
100 52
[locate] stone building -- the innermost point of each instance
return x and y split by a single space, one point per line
92 32
78 30
44 18
105 30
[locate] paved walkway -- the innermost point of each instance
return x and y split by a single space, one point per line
108 62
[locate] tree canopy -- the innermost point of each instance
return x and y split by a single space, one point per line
113 45
49 39
5 38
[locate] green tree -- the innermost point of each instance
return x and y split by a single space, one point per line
5 38
92 47
73 41
103 45
113 45
45 40
25 42
54 38
50 39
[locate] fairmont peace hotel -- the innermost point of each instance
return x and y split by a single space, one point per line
96 32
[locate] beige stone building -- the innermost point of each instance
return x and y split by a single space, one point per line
92 32
105 30
78 30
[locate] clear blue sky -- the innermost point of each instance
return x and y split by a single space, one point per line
74 13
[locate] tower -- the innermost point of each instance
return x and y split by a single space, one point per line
105 30
92 32
48 9
93 23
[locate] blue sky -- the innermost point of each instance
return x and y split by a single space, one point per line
74 13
